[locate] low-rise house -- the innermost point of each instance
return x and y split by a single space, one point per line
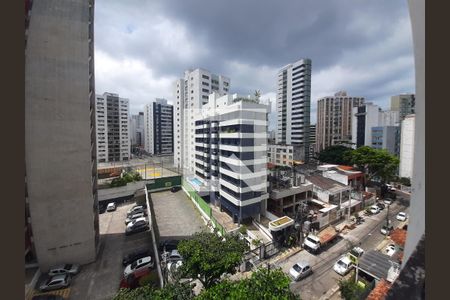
328 190
344 174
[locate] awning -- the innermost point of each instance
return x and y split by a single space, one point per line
319 202
327 209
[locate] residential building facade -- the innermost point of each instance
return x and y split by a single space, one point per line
334 119
60 140
158 127
312 140
112 128
137 130
386 137
231 155
405 104
366 116
284 155
294 105
407 146
190 94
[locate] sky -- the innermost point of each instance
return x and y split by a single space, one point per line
360 46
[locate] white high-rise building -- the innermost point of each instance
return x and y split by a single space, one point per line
294 105
407 146
365 117
112 127
190 93
158 127
231 155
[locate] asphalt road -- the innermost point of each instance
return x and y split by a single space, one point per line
324 277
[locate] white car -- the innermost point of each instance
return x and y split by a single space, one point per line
343 265
111 206
401 216
357 252
300 270
387 201
133 207
386 229
145 262
374 209
390 250
134 217
64 269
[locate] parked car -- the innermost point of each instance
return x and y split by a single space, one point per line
135 279
168 245
134 217
380 205
111 207
145 262
387 201
136 226
135 255
175 189
386 229
55 283
343 265
300 270
172 255
374 209
71 269
134 207
357 252
401 216
390 250
136 210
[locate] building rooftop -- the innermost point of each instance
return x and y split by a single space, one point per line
326 183
380 291
375 263
398 236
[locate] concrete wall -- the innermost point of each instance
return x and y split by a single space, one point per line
416 227
59 154
121 191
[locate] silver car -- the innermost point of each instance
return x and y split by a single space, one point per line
56 282
71 269
300 270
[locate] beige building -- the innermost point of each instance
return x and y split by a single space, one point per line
404 103
60 150
334 119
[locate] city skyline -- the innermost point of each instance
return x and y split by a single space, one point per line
148 54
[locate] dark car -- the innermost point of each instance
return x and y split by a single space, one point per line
168 245
175 189
47 297
135 255
381 205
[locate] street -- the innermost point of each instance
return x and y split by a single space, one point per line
324 277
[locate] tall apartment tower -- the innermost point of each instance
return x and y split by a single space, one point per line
112 127
365 117
294 105
407 146
231 155
158 127
190 93
137 130
312 140
334 119
60 140
404 103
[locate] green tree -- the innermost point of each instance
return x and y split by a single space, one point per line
376 163
263 284
349 289
208 256
171 291
336 154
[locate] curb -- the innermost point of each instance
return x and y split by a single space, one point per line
330 293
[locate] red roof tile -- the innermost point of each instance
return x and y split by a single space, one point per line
398 236
380 291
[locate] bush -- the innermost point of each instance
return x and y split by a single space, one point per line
243 230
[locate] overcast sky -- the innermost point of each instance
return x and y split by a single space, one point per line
361 46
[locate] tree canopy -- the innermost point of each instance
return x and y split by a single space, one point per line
376 163
336 154
350 290
171 291
207 256
263 284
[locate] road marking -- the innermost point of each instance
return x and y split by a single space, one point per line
63 293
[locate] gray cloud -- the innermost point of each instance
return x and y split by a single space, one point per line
364 47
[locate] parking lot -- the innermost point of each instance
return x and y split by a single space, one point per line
100 280
176 215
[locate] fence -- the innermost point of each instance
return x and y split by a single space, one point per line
163 183
202 206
